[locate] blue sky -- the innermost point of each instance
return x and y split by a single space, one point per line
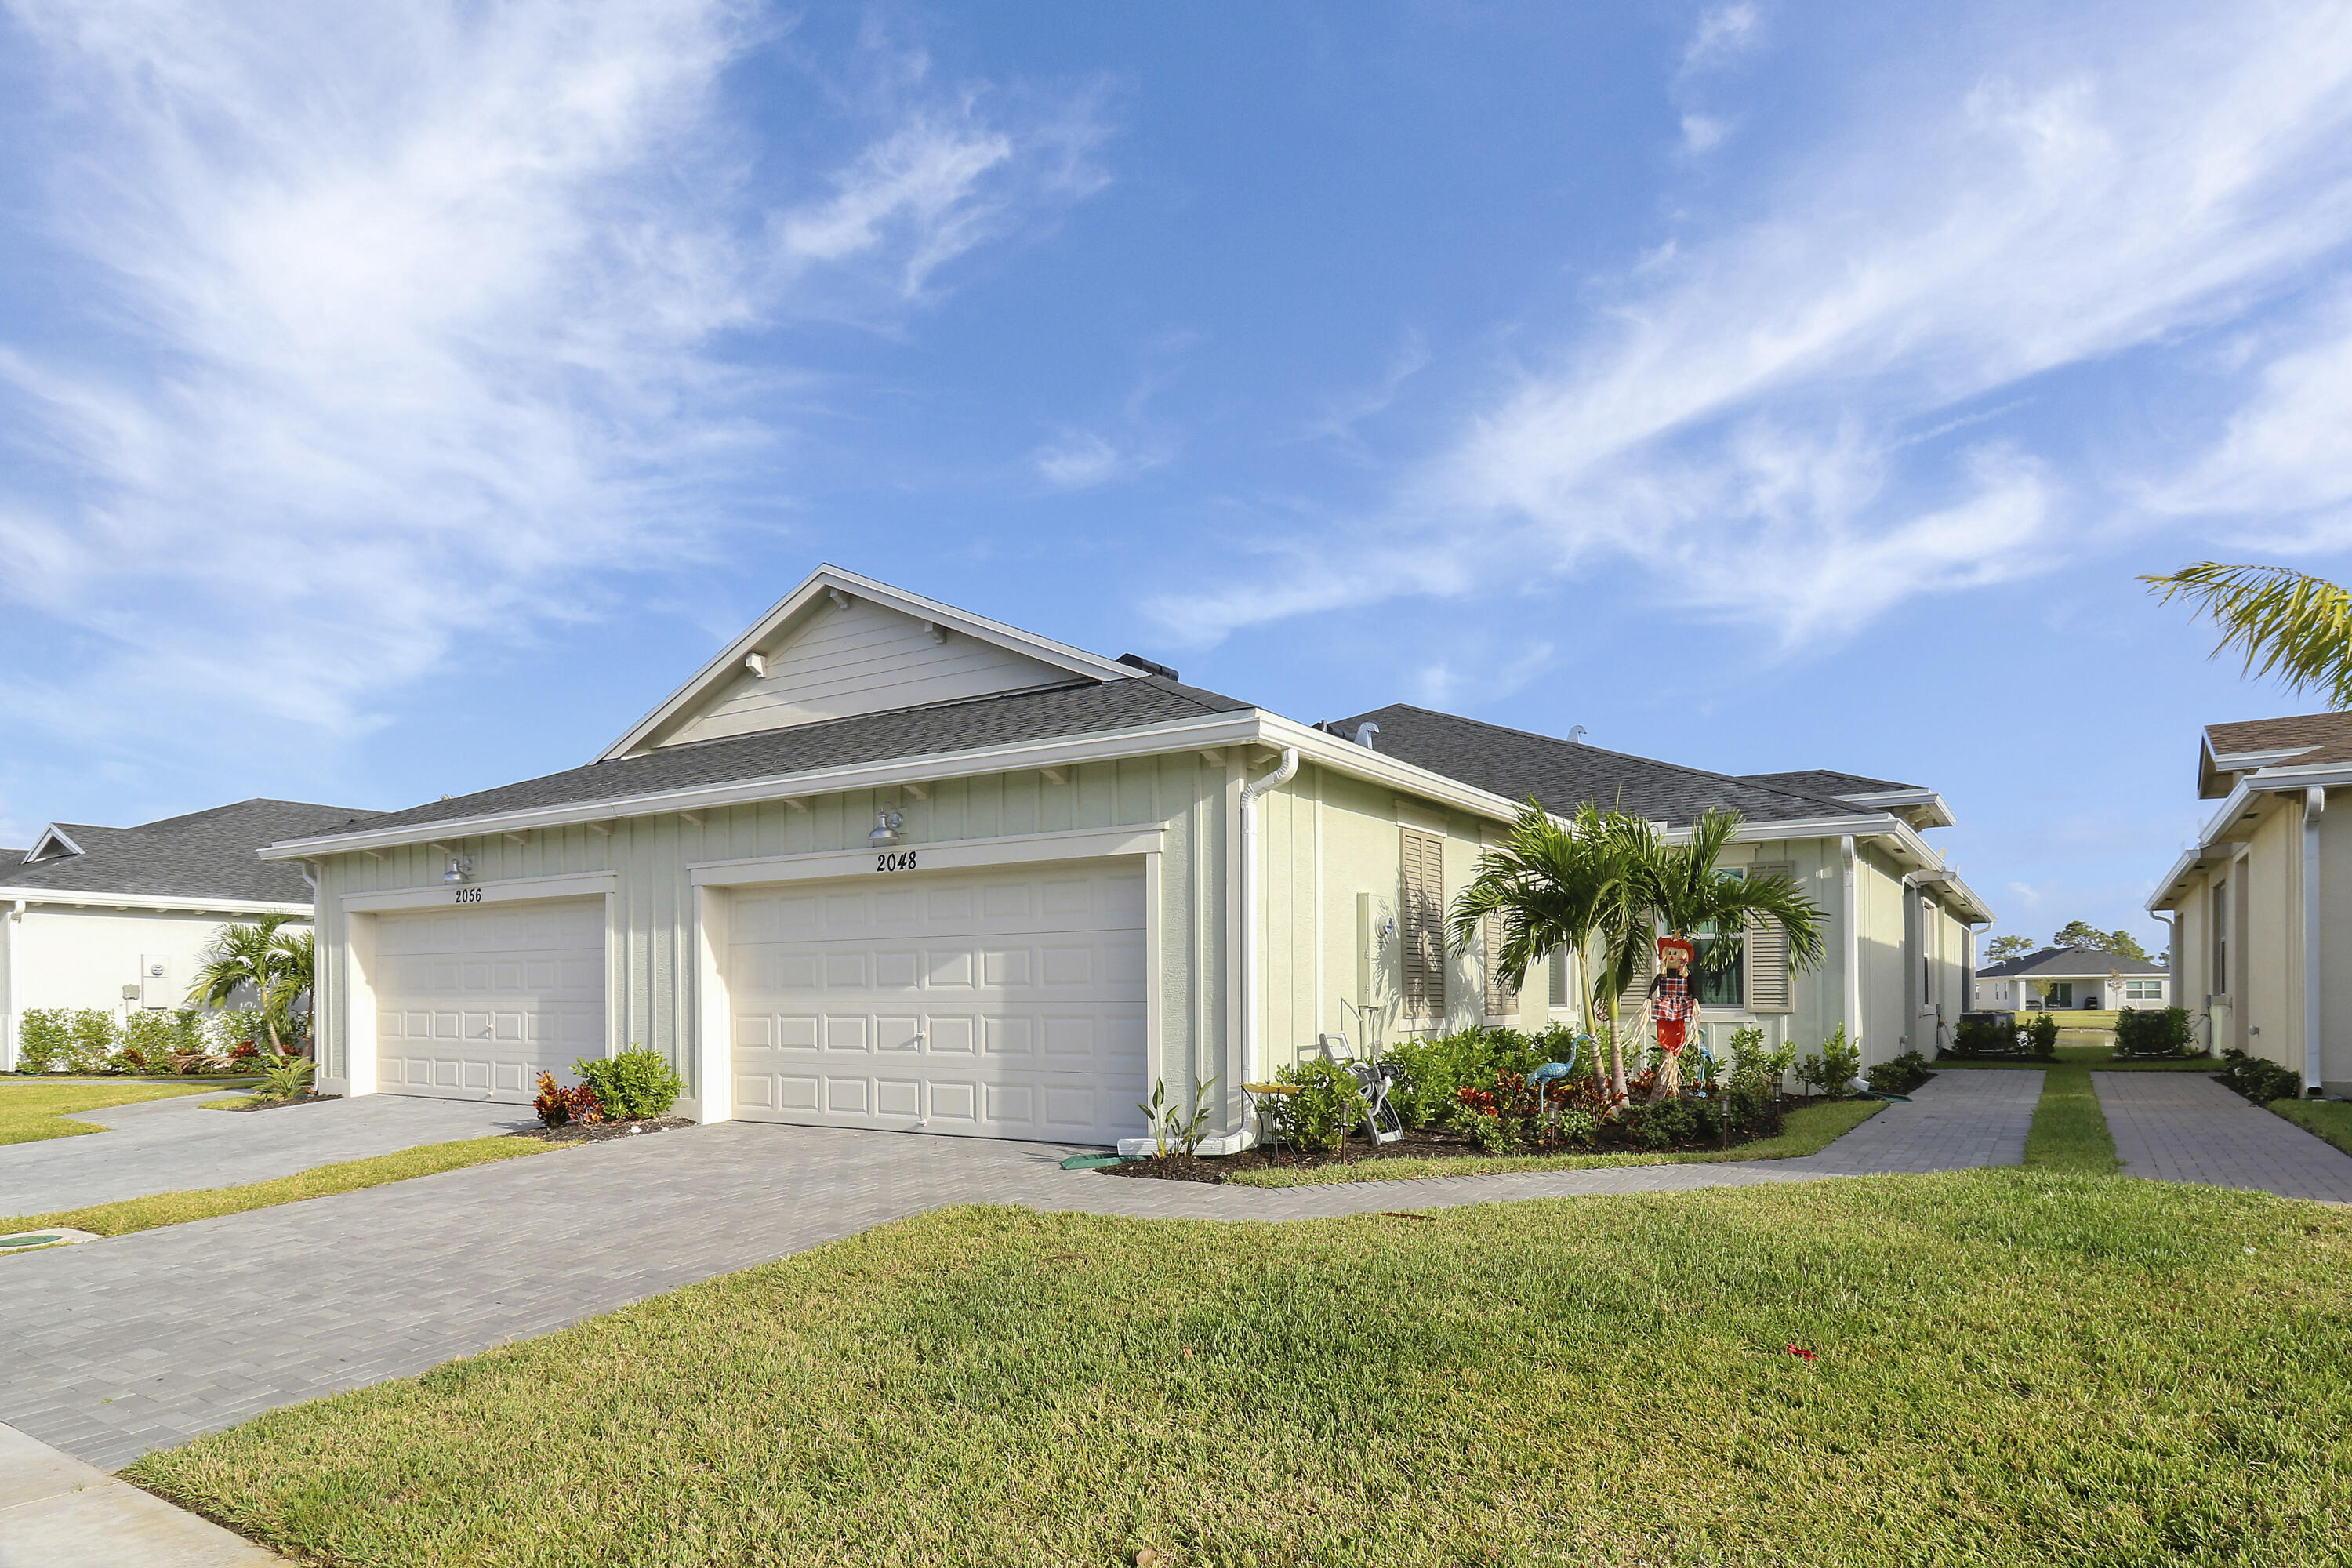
399 400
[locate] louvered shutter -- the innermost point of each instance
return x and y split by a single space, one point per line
1422 927
1502 1001
1768 955
1637 990
1560 977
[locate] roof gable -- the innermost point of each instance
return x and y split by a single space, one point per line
840 646
54 843
212 854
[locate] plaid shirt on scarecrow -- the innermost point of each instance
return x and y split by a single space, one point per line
1672 995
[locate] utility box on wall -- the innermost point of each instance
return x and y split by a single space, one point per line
155 988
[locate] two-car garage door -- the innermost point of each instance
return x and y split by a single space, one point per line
475 1003
1006 1002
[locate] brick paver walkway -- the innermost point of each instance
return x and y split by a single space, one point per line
116 1347
172 1145
2184 1127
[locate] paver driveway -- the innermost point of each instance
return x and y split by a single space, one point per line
172 1145
2184 1127
115 1347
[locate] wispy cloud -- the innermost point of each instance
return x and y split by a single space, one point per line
401 320
1740 423
1723 31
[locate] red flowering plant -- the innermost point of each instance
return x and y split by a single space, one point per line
557 1105
1514 1115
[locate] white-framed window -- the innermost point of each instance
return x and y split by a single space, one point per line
2142 989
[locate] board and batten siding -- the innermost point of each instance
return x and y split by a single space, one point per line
651 998
862 659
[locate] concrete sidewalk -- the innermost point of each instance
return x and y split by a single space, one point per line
2184 1127
58 1512
174 1145
143 1342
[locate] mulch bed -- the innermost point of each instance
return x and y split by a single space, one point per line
281 1104
603 1131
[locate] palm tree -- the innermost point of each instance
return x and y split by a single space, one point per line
242 956
297 956
1554 886
1691 896
2291 624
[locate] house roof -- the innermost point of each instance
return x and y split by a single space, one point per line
1827 782
2239 747
208 854
2068 962
1055 714
1565 774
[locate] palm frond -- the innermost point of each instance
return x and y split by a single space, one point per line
2290 624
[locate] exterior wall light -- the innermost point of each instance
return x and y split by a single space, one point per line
459 870
886 827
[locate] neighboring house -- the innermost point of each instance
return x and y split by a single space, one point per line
120 918
884 863
2067 977
2260 905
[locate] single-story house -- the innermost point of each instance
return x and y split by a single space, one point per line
885 863
2260 905
2066 977
119 919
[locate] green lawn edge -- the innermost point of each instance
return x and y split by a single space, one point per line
1808 1130
159 1210
34 1109
2330 1119
2069 1132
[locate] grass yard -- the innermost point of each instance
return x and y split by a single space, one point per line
2331 1119
2069 1130
31 1109
320 1180
2008 1366
1805 1130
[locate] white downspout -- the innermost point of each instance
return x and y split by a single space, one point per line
1849 911
1250 1022
2314 801
16 935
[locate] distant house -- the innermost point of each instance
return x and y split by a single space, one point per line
2067 977
120 918
2260 904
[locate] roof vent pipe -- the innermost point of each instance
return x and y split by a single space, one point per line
1250 922
1364 733
1576 734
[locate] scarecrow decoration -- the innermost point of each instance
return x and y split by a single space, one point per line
1672 1006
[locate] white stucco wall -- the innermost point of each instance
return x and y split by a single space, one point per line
67 956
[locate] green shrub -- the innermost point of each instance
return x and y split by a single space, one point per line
1434 1071
1973 1038
1901 1076
1669 1125
152 1039
2147 1032
1326 1105
1833 1071
637 1084
2259 1079
286 1077
44 1036
2041 1037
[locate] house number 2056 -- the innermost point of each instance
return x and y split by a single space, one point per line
470 895
903 860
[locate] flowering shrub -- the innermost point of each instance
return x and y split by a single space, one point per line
557 1105
1436 1070
1511 1115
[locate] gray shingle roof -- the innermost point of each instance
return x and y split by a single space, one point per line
1565 774
1826 782
203 854
2068 962
1054 714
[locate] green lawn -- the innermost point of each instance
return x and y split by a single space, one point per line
2069 1130
30 1108
1806 1131
2013 1367
2331 1119
319 1182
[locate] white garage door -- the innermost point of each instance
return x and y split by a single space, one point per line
472 1003
1003 1004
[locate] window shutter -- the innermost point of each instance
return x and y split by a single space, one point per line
1560 977
1637 990
1768 955
1502 1001
1422 927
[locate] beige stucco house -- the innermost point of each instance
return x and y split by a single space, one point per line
885 863
2260 906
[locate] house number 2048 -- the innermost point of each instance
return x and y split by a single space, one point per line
470 895
902 860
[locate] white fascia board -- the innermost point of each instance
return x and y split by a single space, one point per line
2162 899
1892 799
167 903
1077 661
1327 750
2246 761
